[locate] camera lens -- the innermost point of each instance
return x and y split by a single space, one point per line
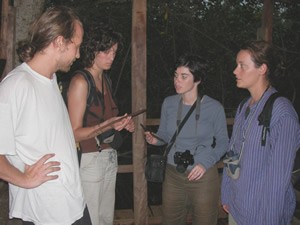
180 168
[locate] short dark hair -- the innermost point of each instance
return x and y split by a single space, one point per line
55 21
196 65
262 52
98 37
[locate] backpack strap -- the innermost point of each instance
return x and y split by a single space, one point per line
265 116
91 95
92 92
109 85
91 86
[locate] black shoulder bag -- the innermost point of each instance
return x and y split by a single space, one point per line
156 164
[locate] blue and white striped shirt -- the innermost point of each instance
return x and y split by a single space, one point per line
263 194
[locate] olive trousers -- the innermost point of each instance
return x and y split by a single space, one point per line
200 197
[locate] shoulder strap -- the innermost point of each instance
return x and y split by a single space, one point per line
108 81
109 85
243 103
91 95
91 86
167 150
265 116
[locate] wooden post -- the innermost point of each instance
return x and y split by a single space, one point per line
10 44
139 101
267 21
3 36
4 28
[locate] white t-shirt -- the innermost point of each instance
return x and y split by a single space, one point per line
34 121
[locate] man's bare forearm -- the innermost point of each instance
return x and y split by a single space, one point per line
10 173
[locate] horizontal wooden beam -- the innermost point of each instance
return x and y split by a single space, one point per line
152 122
125 168
128 168
155 121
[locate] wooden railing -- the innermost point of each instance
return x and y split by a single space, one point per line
155 122
126 216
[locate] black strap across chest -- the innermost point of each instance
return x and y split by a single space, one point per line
265 116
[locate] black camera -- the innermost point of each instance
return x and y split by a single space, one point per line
183 160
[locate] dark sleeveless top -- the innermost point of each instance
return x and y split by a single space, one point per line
97 116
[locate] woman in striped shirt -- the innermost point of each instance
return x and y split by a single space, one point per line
262 192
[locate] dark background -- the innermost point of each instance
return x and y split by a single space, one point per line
214 29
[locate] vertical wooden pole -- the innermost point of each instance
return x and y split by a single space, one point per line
4 28
139 101
3 35
267 20
10 45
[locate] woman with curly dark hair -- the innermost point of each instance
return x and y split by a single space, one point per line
91 105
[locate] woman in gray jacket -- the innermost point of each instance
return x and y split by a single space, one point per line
192 178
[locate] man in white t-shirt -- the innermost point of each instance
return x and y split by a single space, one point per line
37 148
